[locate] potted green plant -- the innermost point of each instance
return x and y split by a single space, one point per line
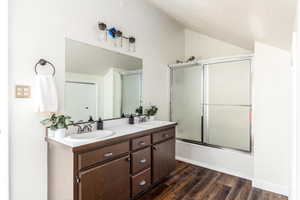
58 124
139 111
151 112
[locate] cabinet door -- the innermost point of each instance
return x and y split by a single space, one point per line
163 159
106 182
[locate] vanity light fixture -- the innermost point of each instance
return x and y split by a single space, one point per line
112 33
103 33
131 44
119 38
116 36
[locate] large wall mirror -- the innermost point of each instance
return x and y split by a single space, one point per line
101 83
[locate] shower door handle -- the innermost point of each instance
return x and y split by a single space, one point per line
202 128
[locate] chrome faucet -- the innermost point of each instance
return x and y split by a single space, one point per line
142 119
79 130
85 129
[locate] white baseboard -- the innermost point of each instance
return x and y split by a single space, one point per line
216 168
264 185
283 190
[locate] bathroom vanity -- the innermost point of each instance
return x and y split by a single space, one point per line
120 167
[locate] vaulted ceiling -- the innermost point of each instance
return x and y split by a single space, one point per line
239 22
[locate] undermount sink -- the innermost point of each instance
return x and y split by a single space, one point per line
91 136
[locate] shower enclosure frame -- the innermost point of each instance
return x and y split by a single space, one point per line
202 64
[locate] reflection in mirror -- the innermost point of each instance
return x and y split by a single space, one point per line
100 83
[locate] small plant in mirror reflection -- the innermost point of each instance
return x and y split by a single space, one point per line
139 110
57 122
151 111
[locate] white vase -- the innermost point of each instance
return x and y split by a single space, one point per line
60 133
51 133
152 118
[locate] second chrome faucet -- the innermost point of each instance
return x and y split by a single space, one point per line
84 129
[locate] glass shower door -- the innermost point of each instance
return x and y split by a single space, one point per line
227 105
187 102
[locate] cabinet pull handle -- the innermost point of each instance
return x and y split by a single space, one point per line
142 143
128 159
143 182
143 160
108 154
154 148
165 135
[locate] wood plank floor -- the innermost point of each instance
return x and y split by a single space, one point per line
189 182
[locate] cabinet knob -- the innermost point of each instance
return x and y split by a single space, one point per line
154 148
108 154
143 160
143 182
77 180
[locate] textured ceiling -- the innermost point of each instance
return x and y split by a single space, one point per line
239 22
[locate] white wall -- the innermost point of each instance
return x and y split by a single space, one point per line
203 47
108 100
272 117
112 94
236 163
4 163
295 161
117 92
38 29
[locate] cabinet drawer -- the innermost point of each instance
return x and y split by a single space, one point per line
141 182
92 157
141 142
163 135
141 160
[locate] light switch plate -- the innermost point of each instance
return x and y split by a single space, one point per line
23 91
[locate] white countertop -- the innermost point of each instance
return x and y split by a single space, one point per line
120 129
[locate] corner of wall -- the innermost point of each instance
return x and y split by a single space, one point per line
265 185
272 117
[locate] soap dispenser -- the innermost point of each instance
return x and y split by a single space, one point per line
100 124
131 119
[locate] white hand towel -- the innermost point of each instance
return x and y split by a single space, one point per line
46 94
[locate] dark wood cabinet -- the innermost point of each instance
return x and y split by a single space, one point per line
141 160
163 155
108 181
141 182
120 168
89 158
163 135
141 142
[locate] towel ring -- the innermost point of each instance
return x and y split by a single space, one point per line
43 62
